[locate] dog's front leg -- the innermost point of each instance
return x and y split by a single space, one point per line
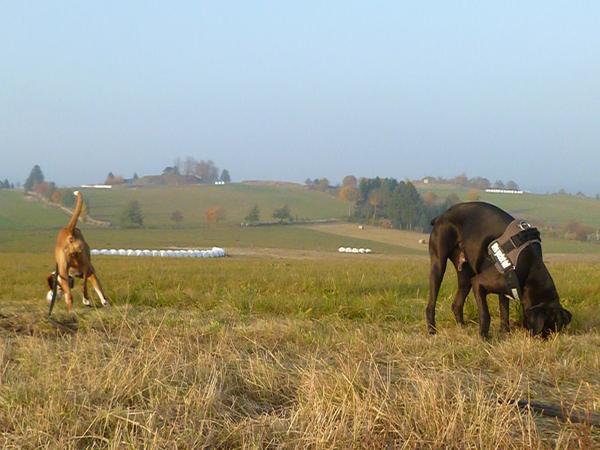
482 307
464 286
63 281
98 289
504 313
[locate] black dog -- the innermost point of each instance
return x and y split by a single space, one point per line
463 234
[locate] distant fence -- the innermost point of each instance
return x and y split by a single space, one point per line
266 223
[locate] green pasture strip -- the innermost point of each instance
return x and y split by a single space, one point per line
277 236
158 203
364 289
548 209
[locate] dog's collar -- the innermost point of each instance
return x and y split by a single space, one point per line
504 252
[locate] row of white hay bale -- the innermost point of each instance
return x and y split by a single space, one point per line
215 252
354 250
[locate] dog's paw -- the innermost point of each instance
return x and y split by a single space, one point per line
105 303
87 302
49 296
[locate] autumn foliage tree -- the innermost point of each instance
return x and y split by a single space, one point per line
473 195
349 193
429 198
215 214
350 180
577 231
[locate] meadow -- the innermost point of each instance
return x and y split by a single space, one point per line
328 352
158 203
545 209
284 344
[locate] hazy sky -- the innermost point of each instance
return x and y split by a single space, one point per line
289 90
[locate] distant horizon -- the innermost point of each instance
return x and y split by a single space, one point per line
333 181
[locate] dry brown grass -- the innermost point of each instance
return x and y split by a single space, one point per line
294 353
134 378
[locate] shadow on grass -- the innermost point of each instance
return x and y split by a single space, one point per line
30 324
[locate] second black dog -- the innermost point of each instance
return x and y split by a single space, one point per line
462 235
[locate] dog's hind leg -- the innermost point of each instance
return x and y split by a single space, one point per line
441 240
504 312
98 288
464 286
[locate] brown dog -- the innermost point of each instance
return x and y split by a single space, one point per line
73 259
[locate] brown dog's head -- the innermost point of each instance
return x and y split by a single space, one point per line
544 319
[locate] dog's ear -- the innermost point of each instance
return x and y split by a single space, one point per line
562 318
50 281
536 318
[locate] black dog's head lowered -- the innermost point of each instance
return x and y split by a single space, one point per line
542 320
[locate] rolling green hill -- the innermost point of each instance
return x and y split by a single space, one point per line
158 203
18 213
550 209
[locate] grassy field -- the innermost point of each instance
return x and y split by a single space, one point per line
193 201
285 344
18 213
546 209
249 352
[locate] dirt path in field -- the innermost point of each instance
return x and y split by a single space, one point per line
281 253
403 238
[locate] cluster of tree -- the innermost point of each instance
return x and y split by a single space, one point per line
578 231
319 184
206 171
397 204
182 172
47 189
114 180
282 214
477 182
6 184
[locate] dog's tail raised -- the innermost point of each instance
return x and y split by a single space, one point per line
76 212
